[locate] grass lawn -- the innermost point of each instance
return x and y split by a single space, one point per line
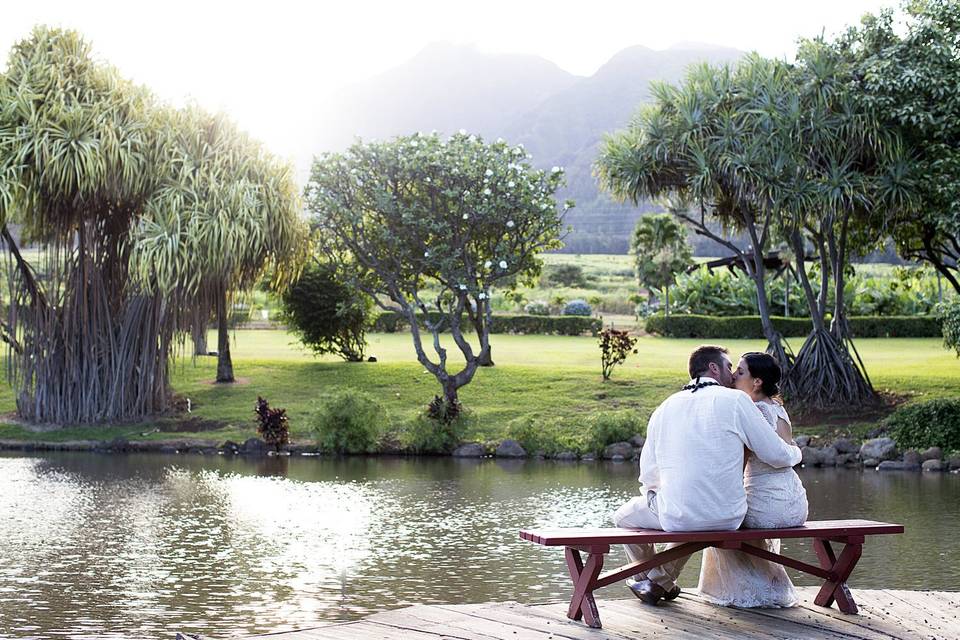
545 377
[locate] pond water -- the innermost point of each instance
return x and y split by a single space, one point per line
140 546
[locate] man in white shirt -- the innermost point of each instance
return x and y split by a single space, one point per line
691 466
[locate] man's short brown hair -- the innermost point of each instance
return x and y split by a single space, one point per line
702 356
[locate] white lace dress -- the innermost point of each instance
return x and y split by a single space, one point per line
775 499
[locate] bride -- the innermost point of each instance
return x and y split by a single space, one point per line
775 499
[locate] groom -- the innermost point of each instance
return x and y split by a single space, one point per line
691 466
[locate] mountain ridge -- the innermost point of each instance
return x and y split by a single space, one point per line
559 117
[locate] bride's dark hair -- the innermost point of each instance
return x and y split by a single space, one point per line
765 367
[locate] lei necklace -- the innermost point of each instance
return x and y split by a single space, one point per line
694 386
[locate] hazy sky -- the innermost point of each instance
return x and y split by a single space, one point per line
272 64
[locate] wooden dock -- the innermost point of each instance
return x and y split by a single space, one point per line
884 614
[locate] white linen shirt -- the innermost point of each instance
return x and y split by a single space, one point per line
693 457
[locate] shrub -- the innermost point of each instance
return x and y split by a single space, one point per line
440 410
580 436
615 346
530 433
577 308
747 327
949 315
426 435
566 275
348 421
272 424
326 314
607 427
537 308
933 423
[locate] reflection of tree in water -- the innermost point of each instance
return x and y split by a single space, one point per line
268 466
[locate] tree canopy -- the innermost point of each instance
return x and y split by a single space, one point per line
783 152
907 78
455 217
99 174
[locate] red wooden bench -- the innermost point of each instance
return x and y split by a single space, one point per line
595 543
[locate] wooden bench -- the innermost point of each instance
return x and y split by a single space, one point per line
834 569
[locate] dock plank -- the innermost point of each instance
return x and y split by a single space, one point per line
884 615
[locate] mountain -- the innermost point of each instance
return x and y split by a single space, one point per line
559 117
444 87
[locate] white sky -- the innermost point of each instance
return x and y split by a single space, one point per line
272 64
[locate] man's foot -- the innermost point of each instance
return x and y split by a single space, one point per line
652 593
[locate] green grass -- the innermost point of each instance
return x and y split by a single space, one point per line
549 378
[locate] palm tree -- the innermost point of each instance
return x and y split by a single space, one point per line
660 250
848 176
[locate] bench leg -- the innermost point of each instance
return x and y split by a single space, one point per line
835 589
582 604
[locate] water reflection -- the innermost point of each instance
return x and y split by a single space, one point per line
139 546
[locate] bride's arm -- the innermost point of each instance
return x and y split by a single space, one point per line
784 430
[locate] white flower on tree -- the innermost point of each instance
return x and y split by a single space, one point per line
503 264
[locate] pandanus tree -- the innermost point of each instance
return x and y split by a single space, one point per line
848 178
84 158
428 227
225 213
78 147
703 147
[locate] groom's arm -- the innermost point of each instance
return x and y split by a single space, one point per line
760 438
649 469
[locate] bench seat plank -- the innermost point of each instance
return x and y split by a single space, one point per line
613 535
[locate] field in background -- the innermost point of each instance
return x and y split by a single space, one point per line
543 377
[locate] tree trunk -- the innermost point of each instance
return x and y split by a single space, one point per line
825 374
450 389
938 264
786 294
224 361
485 356
200 342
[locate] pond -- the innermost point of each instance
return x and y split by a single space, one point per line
140 546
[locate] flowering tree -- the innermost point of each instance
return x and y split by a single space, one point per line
455 217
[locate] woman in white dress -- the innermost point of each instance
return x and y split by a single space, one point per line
775 499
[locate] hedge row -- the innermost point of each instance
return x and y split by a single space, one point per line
734 327
390 322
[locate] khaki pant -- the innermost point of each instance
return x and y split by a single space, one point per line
641 513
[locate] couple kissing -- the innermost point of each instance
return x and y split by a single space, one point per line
719 455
